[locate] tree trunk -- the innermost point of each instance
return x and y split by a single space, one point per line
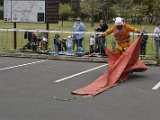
92 21
62 19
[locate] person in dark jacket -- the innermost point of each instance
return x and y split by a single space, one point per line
143 43
32 41
56 43
100 41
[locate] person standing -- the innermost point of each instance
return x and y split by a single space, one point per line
56 43
100 41
157 39
144 42
120 31
69 44
78 29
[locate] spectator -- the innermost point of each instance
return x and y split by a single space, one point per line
64 48
78 27
56 42
74 42
32 41
157 39
44 44
92 43
143 43
100 41
69 44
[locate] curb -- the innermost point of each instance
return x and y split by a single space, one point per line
55 57
67 58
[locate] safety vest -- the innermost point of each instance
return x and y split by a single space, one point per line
120 34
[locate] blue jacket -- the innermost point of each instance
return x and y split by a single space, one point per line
78 27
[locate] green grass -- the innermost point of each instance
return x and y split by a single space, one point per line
6 38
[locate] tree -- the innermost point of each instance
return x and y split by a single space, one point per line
76 8
64 11
65 1
1 2
151 5
91 8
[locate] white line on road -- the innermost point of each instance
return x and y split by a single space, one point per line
156 86
11 67
86 71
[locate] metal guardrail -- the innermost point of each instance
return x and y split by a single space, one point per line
7 40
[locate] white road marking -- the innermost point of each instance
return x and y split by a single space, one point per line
74 75
11 67
156 86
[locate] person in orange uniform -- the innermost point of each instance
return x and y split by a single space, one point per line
120 31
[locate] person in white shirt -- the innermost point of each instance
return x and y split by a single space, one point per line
92 43
157 39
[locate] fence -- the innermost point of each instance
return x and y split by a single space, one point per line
7 40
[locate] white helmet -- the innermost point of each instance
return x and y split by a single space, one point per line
44 39
118 21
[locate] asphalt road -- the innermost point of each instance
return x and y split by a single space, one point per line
28 91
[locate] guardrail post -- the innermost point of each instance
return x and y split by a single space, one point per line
15 35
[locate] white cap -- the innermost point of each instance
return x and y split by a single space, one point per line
44 39
119 21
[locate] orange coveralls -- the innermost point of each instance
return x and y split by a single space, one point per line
121 36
